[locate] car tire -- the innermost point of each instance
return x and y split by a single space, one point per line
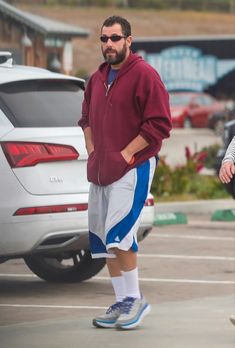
72 267
187 123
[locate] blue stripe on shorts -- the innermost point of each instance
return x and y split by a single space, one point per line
121 229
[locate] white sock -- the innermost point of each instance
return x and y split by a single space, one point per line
132 283
119 288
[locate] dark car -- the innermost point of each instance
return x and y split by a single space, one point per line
229 133
217 120
193 109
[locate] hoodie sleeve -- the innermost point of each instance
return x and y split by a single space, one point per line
84 120
230 153
153 100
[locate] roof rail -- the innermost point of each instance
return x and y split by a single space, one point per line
6 59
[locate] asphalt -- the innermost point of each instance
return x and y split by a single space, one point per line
198 323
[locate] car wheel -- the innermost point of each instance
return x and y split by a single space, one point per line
187 123
219 128
66 267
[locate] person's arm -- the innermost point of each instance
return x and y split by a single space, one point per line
88 140
84 120
153 101
136 145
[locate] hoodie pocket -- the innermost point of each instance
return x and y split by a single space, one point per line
93 168
112 167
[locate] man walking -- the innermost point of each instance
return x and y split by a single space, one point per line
125 117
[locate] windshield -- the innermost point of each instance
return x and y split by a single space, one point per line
180 99
42 103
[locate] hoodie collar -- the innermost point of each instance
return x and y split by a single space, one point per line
132 59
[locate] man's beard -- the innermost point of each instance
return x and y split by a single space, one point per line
116 59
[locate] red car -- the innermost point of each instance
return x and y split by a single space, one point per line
191 109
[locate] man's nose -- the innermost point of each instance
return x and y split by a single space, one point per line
109 42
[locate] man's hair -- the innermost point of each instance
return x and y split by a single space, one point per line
125 25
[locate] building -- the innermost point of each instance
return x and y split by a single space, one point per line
198 63
38 41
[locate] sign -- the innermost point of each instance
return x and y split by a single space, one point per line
186 68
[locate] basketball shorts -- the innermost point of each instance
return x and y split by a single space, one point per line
114 211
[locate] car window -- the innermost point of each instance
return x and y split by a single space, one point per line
208 100
42 103
179 99
198 100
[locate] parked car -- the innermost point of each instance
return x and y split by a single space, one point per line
191 109
229 133
44 188
218 119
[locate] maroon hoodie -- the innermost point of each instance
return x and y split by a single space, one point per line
136 103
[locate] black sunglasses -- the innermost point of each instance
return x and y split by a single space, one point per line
113 38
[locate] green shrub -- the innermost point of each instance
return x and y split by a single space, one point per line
211 155
186 181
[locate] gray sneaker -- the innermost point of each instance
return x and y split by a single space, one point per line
109 318
133 311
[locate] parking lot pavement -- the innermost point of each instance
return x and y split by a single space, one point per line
187 272
195 138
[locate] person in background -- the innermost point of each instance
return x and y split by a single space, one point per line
226 173
125 117
227 169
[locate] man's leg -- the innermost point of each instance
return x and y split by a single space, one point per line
125 265
117 279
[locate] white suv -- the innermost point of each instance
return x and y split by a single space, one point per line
43 183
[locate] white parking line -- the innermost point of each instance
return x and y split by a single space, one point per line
190 281
188 257
49 306
194 237
158 280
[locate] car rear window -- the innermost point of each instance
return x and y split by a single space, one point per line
42 103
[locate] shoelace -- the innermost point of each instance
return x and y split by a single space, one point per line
115 306
127 304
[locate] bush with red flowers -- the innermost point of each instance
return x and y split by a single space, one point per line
184 182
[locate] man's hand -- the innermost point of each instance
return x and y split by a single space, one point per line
127 155
136 145
226 172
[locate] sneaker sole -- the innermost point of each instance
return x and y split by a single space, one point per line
133 325
103 325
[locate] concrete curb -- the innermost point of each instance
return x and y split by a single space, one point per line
176 212
195 207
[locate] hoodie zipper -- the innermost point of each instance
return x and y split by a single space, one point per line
107 88
98 178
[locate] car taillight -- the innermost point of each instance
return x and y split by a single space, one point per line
26 154
149 202
51 209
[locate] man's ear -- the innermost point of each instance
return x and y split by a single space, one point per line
129 41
